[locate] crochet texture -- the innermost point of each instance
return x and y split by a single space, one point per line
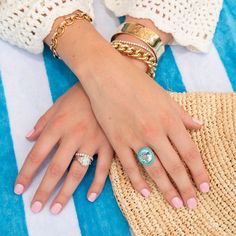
192 23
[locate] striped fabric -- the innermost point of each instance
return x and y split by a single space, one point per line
29 84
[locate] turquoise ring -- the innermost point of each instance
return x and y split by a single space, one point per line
145 156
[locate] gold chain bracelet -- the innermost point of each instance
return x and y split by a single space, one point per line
61 29
138 54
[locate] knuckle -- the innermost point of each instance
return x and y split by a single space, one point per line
148 129
41 193
159 172
188 191
55 170
23 178
130 169
59 120
102 169
169 193
63 196
191 155
33 158
80 127
42 120
167 119
76 174
176 169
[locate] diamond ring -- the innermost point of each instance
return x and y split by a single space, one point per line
83 158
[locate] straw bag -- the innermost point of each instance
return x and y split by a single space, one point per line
216 211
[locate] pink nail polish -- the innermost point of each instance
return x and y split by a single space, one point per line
92 197
56 208
197 121
36 207
177 202
192 203
30 133
145 192
19 189
204 187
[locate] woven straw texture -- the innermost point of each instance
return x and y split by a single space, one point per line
216 211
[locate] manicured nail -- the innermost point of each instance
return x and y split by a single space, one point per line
197 121
92 197
19 188
177 202
145 192
36 207
192 203
56 208
30 133
204 187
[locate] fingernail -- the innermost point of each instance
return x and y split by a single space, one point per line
36 207
197 121
192 203
56 208
177 202
19 188
145 192
30 133
204 187
92 197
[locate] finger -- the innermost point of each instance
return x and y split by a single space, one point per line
175 168
55 171
41 123
130 166
74 177
35 158
102 170
191 156
160 177
189 121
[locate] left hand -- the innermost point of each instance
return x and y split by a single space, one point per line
71 124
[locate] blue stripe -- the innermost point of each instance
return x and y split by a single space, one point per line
103 217
225 39
12 213
167 74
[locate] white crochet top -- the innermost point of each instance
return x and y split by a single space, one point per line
192 23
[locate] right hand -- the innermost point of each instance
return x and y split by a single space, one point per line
136 112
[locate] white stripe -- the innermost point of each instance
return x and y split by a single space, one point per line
202 72
28 96
105 21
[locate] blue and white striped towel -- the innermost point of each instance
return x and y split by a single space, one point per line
29 84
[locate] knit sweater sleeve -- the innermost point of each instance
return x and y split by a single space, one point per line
192 23
25 23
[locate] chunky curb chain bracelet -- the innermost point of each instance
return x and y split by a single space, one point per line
139 54
78 15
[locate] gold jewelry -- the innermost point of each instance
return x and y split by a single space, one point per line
134 44
145 34
61 29
83 158
138 54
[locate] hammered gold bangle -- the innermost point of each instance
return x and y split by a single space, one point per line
139 54
149 37
78 15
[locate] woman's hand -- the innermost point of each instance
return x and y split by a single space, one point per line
70 124
135 112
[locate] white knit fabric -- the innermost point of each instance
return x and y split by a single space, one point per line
26 23
192 23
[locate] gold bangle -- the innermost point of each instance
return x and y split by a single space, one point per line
136 45
139 54
145 34
78 15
